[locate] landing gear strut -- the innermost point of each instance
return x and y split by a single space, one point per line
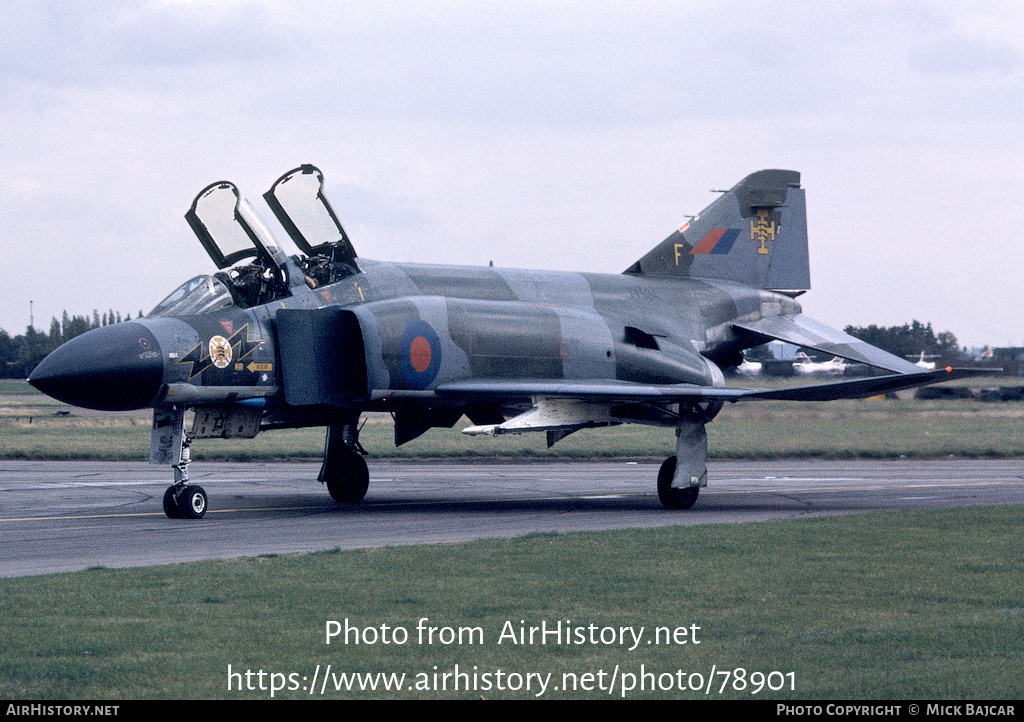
183 500
681 476
344 469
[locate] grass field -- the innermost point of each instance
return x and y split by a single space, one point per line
899 605
872 428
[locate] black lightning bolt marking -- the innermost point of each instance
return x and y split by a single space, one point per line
200 359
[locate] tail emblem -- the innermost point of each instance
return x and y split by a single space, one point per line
762 230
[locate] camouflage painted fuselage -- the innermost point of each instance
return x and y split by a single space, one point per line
420 326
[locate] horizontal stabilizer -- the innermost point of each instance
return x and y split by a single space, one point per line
803 331
862 388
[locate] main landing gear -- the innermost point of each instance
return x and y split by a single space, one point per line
183 500
681 476
672 498
344 468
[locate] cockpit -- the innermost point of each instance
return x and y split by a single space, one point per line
253 269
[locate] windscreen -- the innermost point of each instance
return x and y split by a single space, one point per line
197 295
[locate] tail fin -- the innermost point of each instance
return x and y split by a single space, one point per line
755 234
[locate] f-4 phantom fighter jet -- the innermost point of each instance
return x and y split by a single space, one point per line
274 341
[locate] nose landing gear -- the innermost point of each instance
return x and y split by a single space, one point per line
183 500
169 445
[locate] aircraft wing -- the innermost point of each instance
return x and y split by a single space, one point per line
611 391
803 331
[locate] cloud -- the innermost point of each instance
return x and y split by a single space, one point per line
119 43
963 55
539 134
192 34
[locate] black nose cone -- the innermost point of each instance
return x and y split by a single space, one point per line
111 368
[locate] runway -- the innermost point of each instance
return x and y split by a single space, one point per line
66 516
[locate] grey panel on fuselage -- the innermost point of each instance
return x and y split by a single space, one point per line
586 346
384 280
549 287
390 317
506 339
660 307
385 323
458 282
378 375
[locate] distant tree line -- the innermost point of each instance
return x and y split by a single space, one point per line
20 354
909 340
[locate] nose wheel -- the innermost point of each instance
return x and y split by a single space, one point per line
183 500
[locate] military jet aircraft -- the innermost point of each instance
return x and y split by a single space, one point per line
806 366
272 340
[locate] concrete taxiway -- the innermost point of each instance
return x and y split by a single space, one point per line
65 516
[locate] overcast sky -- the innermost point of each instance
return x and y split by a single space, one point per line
560 135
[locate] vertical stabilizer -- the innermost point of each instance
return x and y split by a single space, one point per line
755 234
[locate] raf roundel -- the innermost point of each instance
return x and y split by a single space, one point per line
420 354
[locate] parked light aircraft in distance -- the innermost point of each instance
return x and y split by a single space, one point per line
273 341
808 367
926 365
749 368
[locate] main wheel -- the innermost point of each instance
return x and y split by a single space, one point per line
346 476
674 498
171 504
192 502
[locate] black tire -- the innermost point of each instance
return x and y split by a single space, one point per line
674 498
346 476
171 504
192 502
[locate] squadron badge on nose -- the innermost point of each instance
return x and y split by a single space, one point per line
220 352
